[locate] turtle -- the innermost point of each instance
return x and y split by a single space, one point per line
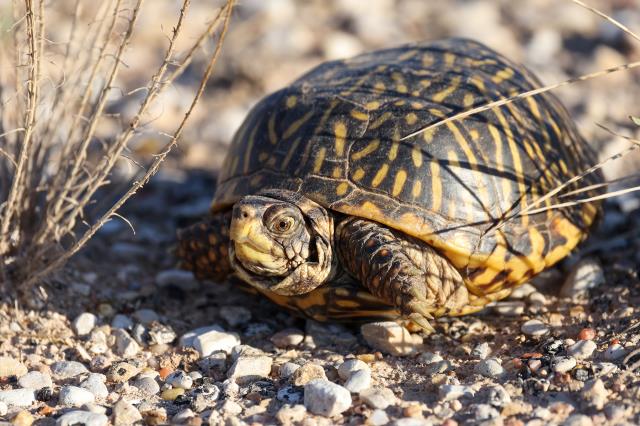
337 201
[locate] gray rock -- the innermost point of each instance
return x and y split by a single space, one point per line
246 369
75 396
11 367
207 340
179 379
582 349
391 338
578 420
603 369
146 316
125 414
497 396
290 394
245 350
563 364
183 416
287 337
534 328
509 308
350 366
587 274
614 352
204 396
177 277
490 368
3 408
35 380
121 372
438 367
485 412
378 418
325 398
84 323
289 415
85 418
122 321
126 346
378 397
160 334
306 373
215 361
450 392
481 351
595 393
67 369
358 381
95 384
287 369
18 397
430 357
148 385
235 315
522 292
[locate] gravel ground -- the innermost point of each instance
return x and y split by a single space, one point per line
122 336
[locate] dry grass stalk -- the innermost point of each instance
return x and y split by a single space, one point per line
54 160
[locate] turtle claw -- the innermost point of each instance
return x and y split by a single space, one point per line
419 313
421 322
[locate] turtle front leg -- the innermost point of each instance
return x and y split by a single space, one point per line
401 270
204 247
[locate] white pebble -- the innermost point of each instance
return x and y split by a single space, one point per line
126 346
325 398
509 308
481 351
84 323
490 368
177 277
85 418
582 349
207 340
246 369
67 369
378 418
451 392
179 379
95 384
147 385
3 408
358 381
534 328
521 292
614 352
390 337
350 366
11 367
378 397
563 364
75 396
287 369
235 315
122 321
587 274
146 316
35 380
287 337
18 397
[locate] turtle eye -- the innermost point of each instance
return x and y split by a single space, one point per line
281 221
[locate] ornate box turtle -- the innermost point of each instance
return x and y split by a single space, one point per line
325 208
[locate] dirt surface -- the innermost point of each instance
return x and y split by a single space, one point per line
559 351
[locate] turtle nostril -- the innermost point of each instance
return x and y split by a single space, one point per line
244 214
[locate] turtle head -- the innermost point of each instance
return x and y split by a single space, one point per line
281 242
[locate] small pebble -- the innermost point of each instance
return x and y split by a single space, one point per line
247 369
578 420
490 368
534 328
126 346
288 415
522 291
614 352
450 392
595 394
287 369
378 418
3 408
121 372
67 369
179 379
11 367
85 418
390 337
35 380
18 397
146 316
231 408
484 412
497 396
350 366
290 394
183 416
603 369
287 338
582 349
125 414
122 321
23 418
147 385
171 394
207 340
563 364
307 373
325 398
235 315
377 397
587 334
481 351
84 323
358 381
95 384
75 396
587 274
182 279
509 308
429 357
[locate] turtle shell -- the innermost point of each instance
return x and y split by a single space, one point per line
336 135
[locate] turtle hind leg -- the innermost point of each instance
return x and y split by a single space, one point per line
203 248
401 270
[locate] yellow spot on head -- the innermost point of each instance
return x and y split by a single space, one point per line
359 115
436 186
400 102
411 118
468 100
372 105
416 105
502 75
291 101
447 91
380 175
449 59
371 146
416 156
337 172
317 163
398 184
342 188
402 88
417 188
427 60
379 87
